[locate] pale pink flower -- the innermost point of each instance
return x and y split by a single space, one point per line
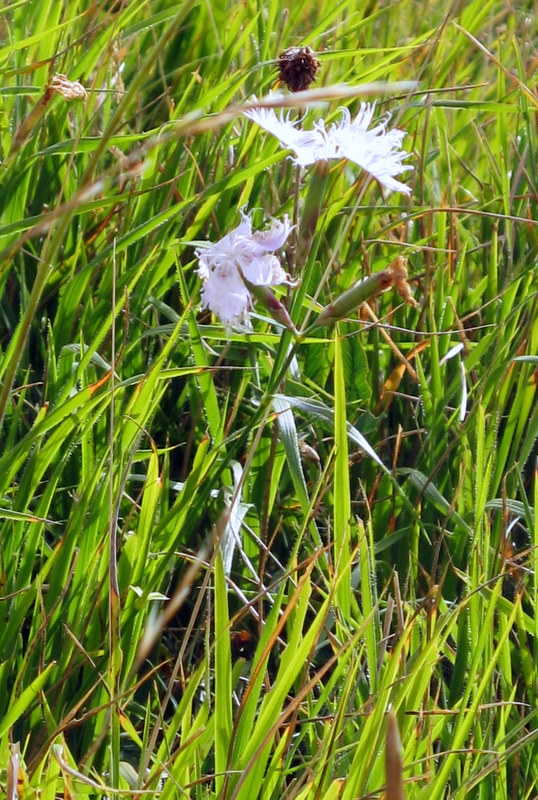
378 150
241 252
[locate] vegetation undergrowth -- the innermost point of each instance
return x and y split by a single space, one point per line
276 558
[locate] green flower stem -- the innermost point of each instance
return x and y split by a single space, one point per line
311 211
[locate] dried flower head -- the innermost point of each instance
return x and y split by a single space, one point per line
70 90
298 67
397 270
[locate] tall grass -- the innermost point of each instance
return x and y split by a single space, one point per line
226 572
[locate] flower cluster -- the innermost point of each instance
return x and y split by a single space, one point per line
242 266
376 150
240 255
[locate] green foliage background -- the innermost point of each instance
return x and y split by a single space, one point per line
136 653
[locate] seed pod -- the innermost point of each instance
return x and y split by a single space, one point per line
298 67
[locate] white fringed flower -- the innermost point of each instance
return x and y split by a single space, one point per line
378 150
309 146
241 252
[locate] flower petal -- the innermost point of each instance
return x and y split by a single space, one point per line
222 265
265 271
309 146
274 237
226 295
377 150
228 243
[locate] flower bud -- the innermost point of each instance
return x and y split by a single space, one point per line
359 293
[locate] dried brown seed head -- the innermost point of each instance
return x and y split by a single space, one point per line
397 270
70 90
298 67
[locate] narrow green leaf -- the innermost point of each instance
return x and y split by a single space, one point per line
25 701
